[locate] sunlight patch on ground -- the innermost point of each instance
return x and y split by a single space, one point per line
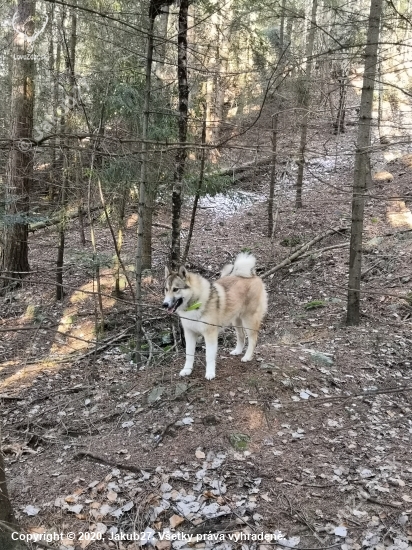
256 419
25 376
399 215
77 334
7 364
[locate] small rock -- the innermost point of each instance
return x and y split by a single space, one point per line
321 358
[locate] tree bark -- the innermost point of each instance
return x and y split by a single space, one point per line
361 163
275 123
182 124
143 184
306 105
199 186
70 158
7 521
14 260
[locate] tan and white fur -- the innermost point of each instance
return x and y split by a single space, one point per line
237 299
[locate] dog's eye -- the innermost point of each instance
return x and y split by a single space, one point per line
175 289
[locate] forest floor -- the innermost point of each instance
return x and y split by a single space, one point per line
310 442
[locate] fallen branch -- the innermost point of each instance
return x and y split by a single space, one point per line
375 501
241 168
367 393
325 249
103 346
54 220
363 275
10 397
300 251
111 463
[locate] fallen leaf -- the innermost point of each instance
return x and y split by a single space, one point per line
155 394
101 528
176 520
76 509
31 510
340 531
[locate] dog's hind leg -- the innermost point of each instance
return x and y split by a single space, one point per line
190 352
251 325
240 337
211 352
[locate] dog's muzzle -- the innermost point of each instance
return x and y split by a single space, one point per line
171 308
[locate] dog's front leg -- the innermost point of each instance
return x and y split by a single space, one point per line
190 352
211 352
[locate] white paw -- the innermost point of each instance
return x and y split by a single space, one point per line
210 375
236 351
185 372
246 358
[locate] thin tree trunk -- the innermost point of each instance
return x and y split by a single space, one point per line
79 186
55 157
199 186
148 222
52 61
275 117
339 124
182 123
69 166
14 260
275 123
361 163
143 184
306 105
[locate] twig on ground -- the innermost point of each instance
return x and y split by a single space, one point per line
119 465
368 393
325 249
101 347
300 484
376 501
167 428
363 275
302 250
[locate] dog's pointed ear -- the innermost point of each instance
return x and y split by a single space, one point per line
182 272
167 272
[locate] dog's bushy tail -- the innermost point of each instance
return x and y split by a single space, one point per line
244 266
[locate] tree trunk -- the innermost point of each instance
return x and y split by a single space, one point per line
306 105
275 118
69 166
6 513
199 186
182 123
143 184
342 79
14 260
361 163
218 53
275 121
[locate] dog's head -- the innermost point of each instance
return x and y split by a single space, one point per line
177 290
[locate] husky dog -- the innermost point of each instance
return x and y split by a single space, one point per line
238 298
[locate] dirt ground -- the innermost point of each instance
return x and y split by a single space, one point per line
309 443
